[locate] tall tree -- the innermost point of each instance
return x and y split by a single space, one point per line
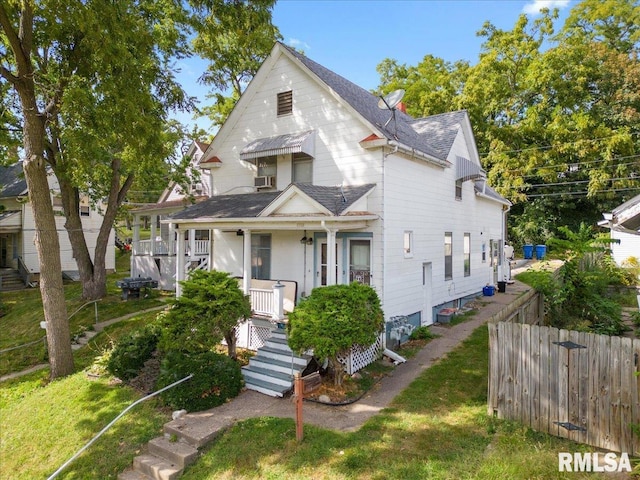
235 38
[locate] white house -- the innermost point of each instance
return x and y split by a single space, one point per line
18 254
624 223
315 181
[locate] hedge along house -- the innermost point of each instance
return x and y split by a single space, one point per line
313 184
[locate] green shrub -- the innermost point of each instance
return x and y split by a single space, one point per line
334 319
132 350
422 333
216 378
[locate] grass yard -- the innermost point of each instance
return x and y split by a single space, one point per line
438 428
21 324
43 424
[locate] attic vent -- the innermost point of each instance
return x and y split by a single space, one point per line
285 103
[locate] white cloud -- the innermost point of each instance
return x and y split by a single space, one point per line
299 44
534 7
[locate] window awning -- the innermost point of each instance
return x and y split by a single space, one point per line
467 170
280 145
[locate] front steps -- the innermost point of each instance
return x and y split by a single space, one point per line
272 369
10 280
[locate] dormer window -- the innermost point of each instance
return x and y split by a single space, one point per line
285 103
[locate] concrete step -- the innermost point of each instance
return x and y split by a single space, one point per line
133 475
278 343
266 375
267 388
176 452
275 365
156 467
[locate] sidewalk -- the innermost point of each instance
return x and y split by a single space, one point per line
201 427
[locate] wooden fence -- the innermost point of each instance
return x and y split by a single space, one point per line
575 385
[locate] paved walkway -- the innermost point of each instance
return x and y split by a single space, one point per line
203 426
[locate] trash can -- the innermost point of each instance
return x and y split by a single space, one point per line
488 291
541 251
528 251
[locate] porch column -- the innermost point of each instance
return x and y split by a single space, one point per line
331 257
154 219
136 235
246 269
171 241
180 262
192 244
210 262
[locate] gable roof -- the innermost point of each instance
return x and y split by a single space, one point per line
441 129
336 200
12 181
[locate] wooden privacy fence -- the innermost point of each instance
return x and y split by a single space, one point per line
575 385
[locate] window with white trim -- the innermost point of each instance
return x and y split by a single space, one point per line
467 254
407 244
301 168
448 256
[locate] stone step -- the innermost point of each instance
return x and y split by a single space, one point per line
267 388
278 343
196 433
177 452
156 467
267 375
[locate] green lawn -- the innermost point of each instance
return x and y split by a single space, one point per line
21 324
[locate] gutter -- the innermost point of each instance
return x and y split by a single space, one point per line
417 153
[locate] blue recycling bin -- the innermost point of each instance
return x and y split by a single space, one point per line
541 251
528 251
488 291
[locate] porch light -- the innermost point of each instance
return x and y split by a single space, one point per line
240 233
306 240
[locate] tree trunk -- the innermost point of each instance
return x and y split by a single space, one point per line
48 247
231 340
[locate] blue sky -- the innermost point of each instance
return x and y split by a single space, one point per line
351 37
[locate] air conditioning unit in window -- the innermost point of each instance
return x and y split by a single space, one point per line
196 188
264 182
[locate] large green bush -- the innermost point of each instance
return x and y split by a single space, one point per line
207 311
334 319
132 350
216 378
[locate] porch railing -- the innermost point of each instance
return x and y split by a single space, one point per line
162 247
262 301
24 272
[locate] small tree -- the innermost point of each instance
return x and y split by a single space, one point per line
334 319
207 311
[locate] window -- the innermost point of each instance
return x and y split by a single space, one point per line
302 168
285 103
467 254
261 256
484 252
267 168
84 210
448 256
408 244
458 189
360 261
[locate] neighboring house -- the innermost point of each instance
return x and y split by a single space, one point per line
312 183
624 223
156 257
18 254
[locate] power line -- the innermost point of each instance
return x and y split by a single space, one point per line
576 182
587 162
584 192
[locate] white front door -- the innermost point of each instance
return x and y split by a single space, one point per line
427 280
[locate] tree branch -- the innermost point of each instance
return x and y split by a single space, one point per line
8 75
22 57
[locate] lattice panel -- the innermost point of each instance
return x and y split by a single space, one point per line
359 357
258 336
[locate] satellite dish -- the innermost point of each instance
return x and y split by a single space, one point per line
390 100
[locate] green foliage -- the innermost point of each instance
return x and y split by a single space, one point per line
206 313
132 350
334 319
216 378
422 333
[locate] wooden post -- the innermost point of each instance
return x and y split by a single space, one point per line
299 393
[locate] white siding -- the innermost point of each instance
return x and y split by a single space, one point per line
629 246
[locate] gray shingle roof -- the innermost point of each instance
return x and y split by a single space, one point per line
335 199
245 205
249 205
440 132
12 181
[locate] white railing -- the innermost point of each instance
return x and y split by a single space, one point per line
261 301
201 247
145 247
